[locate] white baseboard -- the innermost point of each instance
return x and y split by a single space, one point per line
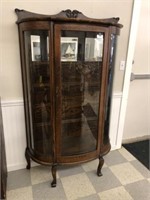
15 136
16 166
137 139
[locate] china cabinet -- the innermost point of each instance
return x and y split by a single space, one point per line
67 71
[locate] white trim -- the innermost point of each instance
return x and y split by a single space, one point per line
14 133
114 119
117 95
9 103
130 54
17 166
136 139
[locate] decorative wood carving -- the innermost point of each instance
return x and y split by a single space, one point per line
71 14
65 15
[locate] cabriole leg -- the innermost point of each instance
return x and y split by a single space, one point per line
27 159
53 184
100 165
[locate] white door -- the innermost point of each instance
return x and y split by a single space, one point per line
137 120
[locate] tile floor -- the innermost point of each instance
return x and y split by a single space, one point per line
124 178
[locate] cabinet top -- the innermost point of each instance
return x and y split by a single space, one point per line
65 16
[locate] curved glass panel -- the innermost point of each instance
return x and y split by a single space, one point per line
109 89
38 84
81 66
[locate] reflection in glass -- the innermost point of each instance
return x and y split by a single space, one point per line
38 78
80 94
35 48
94 48
69 49
109 89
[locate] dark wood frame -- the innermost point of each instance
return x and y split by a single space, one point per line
75 27
65 20
3 164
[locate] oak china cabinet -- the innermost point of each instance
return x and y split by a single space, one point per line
67 71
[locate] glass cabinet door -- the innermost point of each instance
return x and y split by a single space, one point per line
38 87
81 58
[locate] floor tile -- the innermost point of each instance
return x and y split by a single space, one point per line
40 174
18 179
69 170
126 173
141 168
44 191
126 154
24 193
91 197
77 186
114 158
139 190
118 193
92 165
105 182
124 178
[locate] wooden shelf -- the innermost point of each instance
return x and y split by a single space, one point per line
37 63
41 85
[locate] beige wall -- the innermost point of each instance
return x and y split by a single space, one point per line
141 55
10 74
137 123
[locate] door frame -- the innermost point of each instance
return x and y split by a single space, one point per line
126 84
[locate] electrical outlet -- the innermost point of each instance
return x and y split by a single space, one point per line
122 65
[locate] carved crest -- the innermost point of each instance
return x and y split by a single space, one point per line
71 14
67 15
